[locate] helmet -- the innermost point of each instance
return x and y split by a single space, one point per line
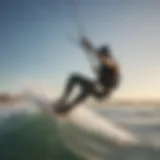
104 50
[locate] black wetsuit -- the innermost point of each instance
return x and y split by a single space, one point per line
107 80
107 77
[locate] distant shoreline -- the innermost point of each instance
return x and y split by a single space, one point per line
7 99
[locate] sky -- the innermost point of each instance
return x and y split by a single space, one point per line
36 45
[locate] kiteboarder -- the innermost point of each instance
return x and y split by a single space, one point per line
107 73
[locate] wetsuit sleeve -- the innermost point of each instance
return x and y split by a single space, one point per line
90 51
87 45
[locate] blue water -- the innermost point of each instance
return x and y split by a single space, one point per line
32 136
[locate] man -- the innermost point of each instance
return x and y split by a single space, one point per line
107 79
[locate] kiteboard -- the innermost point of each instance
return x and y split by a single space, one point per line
84 118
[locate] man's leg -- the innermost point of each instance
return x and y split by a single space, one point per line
67 107
102 93
106 88
72 81
86 90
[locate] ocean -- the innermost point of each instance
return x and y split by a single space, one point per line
26 134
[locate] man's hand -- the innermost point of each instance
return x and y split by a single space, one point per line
86 43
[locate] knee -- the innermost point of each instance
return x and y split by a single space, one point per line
74 76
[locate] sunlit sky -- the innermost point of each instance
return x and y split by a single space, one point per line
34 42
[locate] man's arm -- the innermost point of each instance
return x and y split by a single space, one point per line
91 52
87 45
